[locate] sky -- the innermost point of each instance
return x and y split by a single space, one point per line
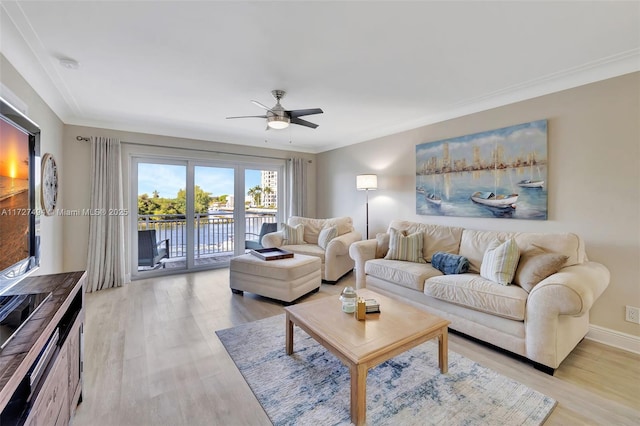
14 152
516 140
168 179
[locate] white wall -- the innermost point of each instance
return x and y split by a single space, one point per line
593 181
51 227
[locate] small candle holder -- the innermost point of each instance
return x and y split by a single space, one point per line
348 298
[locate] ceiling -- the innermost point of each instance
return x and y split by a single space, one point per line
375 68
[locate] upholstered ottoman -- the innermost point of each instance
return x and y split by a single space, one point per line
283 279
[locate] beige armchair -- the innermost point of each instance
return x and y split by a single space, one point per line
335 258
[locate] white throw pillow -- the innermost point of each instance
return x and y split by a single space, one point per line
327 234
500 262
293 235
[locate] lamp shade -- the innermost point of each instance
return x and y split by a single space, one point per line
366 182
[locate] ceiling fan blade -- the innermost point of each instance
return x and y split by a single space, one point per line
302 112
249 116
256 103
301 122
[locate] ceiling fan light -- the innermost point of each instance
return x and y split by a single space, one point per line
278 122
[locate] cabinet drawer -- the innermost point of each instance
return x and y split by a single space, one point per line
52 403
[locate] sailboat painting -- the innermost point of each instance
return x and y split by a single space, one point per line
498 173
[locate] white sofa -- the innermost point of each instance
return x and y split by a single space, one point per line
543 325
335 257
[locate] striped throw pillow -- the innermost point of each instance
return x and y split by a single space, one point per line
293 235
405 247
326 235
500 262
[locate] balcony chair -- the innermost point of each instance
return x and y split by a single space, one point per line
256 244
150 251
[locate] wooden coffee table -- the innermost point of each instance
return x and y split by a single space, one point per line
362 345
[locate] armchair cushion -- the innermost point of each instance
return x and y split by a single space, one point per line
307 249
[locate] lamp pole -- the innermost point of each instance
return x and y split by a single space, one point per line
367 210
367 183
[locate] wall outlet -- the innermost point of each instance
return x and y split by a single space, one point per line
632 314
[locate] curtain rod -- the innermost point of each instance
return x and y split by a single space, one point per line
86 139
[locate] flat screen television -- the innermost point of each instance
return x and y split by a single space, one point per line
19 200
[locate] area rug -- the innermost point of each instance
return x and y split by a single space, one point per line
312 387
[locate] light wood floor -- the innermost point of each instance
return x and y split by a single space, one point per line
152 358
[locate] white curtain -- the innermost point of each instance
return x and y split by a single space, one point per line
297 178
105 261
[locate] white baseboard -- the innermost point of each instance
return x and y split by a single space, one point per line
614 338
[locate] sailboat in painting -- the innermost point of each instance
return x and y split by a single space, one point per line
430 197
492 199
531 182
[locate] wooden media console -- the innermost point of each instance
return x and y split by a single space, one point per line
49 343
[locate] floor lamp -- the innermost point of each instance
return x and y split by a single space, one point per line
367 183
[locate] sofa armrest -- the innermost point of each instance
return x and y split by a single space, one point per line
571 291
273 239
360 252
557 316
339 246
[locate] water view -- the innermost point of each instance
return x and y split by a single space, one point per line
455 190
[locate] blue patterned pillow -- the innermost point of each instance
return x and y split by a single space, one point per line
500 262
405 247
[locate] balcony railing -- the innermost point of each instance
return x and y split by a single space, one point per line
213 232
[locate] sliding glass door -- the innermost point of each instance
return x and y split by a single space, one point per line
195 215
161 219
214 218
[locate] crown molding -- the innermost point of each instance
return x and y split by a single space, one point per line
591 72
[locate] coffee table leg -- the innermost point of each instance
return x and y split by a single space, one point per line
358 394
289 334
443 351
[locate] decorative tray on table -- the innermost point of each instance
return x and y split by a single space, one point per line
271 253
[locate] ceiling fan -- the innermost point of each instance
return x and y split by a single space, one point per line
280 118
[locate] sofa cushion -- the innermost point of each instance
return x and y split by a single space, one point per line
436 237
474 244
405 247
474 292
536 265
292 235
407 274
326 235
500 261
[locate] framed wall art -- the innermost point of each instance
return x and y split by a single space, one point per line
498 173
